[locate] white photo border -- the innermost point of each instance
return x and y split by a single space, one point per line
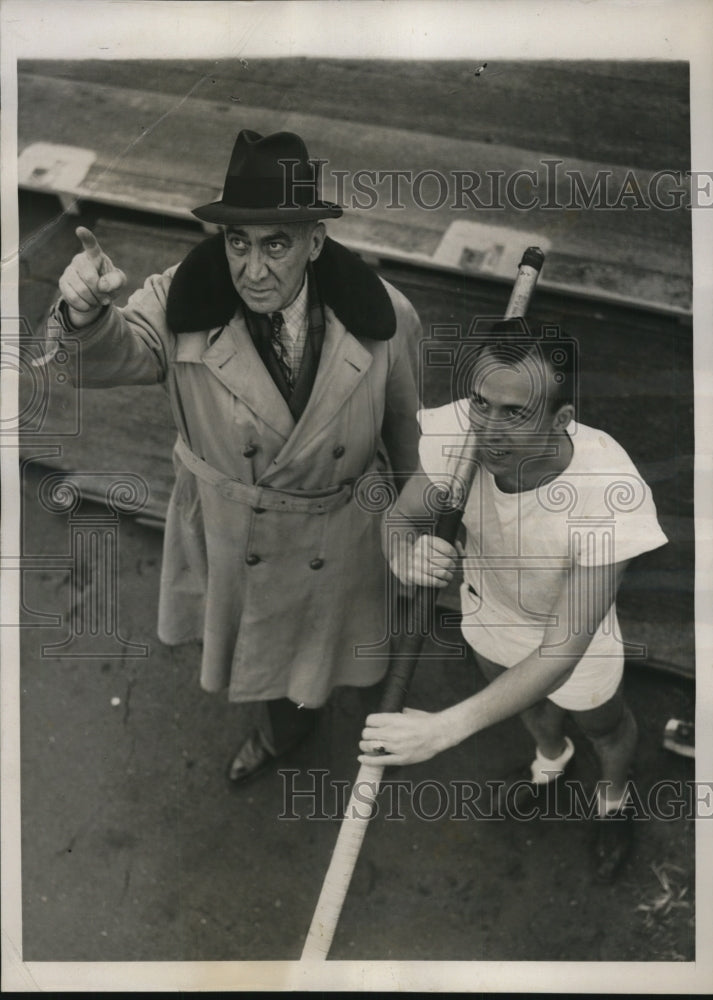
423 29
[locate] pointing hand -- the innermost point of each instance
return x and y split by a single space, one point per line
90 282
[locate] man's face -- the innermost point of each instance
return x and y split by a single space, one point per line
510 409
267 263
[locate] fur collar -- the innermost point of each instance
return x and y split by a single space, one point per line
202 296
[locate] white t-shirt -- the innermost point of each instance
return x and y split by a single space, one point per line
599 511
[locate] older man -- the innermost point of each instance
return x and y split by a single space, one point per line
289 368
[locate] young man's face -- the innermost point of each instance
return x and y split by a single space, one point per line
511 408
267 263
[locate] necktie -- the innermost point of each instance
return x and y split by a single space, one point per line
278 337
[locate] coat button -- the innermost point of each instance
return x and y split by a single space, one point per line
317 564
252 559
249 450
338 451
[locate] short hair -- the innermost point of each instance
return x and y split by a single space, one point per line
511 343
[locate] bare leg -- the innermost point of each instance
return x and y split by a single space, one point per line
613 731
543 720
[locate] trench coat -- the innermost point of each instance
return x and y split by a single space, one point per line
272 551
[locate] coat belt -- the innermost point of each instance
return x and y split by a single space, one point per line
264 497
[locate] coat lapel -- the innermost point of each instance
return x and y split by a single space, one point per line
233 360
343 364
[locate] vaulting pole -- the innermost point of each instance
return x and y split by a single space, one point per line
366 787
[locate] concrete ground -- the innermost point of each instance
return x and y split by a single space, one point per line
136 849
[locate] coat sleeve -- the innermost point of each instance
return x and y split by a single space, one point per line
129 346
399 431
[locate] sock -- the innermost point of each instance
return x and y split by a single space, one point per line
609 803
545 769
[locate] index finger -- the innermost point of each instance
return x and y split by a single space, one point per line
90 244
381 718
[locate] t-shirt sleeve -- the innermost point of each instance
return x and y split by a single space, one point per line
619 518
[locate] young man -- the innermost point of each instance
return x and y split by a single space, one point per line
555 512
289 368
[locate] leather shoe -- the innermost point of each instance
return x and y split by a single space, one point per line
522 798
612 843
252 758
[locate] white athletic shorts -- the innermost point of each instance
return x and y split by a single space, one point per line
592 682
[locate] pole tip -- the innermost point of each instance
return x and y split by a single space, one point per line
533 257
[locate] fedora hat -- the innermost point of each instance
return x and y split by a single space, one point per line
270 179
